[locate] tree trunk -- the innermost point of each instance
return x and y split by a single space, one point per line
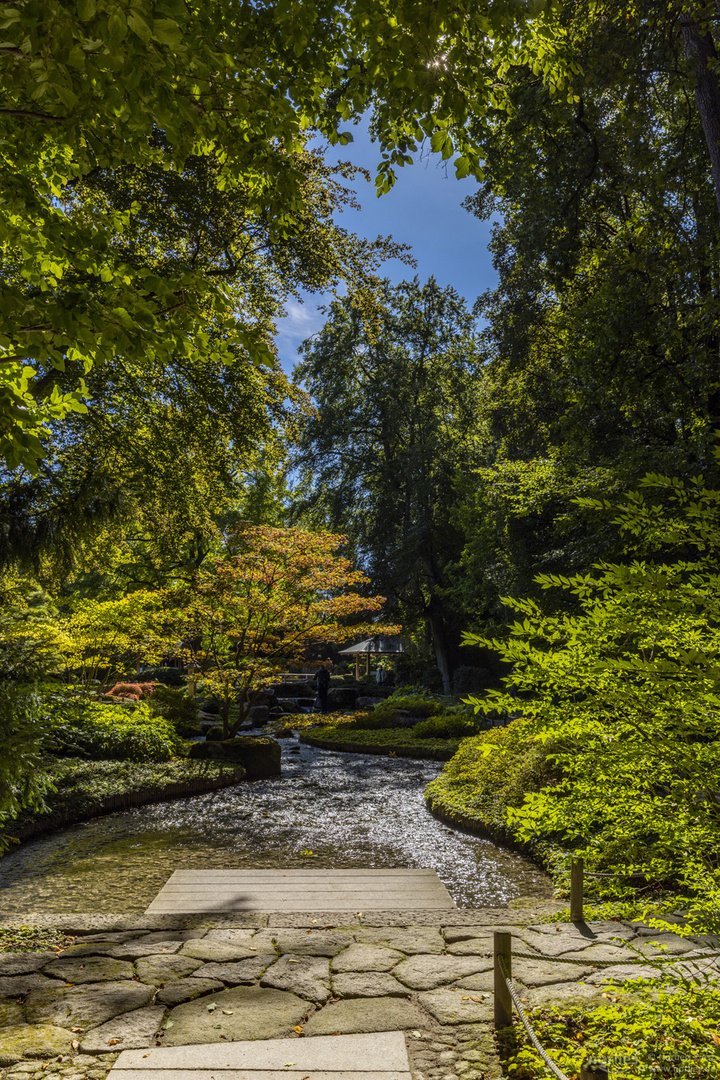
437 631
700 48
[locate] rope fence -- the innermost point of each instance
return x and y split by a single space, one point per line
506 995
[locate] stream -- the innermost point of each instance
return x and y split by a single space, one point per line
327 809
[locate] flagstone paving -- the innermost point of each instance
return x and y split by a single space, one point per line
182 980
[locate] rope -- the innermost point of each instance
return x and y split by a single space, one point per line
615 963
600 873
527 1025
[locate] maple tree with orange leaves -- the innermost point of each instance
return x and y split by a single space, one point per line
275 593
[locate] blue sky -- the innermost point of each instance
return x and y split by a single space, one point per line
423 210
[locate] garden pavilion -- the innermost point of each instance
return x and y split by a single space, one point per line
374 646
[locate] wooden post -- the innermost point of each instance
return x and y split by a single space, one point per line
357 667
576 890
592 1070
502 948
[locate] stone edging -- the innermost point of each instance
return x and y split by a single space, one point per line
124 801
380 751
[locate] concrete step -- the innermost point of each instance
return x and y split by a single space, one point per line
381 1056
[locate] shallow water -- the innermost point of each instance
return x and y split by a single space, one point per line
348 810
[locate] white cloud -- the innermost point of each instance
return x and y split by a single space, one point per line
301 321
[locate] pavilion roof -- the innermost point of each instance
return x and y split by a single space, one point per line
375 646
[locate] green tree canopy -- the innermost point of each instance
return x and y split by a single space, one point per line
386 456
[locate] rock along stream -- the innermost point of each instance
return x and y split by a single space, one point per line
327 809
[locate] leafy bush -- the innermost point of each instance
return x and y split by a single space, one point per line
402 710
628 670
174 705
450 726
22 783
108 732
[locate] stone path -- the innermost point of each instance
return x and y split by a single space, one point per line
202 891
180 981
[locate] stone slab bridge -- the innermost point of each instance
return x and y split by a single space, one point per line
318 995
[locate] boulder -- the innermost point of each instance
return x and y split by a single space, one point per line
259 715
284 733
365 704
263 697
342 698
258 754
289 706
204 751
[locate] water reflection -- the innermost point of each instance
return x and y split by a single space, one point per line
349 810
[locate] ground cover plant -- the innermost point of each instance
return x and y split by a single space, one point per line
33 939
76 785
491 773
645 1030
